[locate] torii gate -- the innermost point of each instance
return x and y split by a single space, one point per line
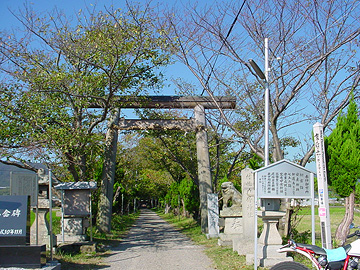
199 104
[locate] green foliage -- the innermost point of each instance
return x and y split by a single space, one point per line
44 102
357 192
300 237
255 162
172 196
189 192
185 191
343 150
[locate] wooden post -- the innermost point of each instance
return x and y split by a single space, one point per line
204 174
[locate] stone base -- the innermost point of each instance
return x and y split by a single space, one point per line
250 259
77 247
243 245
208 236
70 238
269 262
227 239
22 256
44 240
267 256
55 265
233 225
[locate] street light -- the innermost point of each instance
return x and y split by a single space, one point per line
264 77
257 70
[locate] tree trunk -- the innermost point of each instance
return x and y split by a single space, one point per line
167 208
184 209
117 195
344 227
103 220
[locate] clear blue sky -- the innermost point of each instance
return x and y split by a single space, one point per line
71 7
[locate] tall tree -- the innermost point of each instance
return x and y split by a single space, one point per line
343 150
312 67
55 68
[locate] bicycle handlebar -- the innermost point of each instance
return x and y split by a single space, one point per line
357 233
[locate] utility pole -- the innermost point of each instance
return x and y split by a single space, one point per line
266 102
265 78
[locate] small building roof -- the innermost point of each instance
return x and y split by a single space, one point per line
76 185
284 164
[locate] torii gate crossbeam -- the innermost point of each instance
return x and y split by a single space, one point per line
171 102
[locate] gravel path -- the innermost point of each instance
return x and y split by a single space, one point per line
153 244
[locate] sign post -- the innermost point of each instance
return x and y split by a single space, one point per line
283 179
324 213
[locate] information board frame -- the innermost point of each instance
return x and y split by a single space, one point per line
301 181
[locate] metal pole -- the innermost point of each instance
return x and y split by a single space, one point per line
91 224
62 216
51 221
266 102
312 209
255 223
37 211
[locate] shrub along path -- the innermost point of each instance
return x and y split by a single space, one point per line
153 244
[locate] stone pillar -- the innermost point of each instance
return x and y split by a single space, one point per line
203 159
245 244
43 226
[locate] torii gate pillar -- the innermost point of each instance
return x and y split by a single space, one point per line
203 159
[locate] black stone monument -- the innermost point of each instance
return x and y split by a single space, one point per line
15 249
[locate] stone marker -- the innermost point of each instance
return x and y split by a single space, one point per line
213 215
15 250
14 220
244 244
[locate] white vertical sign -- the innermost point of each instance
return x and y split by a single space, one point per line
324 213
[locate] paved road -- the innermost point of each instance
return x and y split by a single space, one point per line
153 244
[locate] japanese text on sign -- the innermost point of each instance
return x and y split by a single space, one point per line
283 180
13 216
10 213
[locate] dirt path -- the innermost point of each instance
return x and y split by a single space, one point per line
153 244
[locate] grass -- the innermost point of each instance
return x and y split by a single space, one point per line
336 216
120 226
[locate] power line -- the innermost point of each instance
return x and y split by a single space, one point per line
222 45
